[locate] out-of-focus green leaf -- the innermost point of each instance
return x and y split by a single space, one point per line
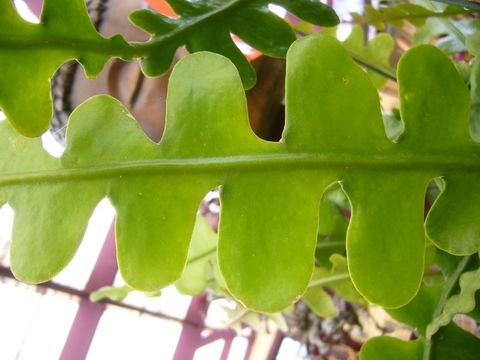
448 343
313 11
332 228
111 292
396 15
393 124
344 287
377 51
320 301
473 44
251 20
452 343
118 293
31 53
464 69
337 279
462 303
475 100
446 39
270 192
201 257
374 55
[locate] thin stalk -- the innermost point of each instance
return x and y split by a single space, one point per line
447 291
359 58
378 68
128 50
328 280
326 245
201 256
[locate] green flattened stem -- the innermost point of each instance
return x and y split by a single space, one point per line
270 192
385 238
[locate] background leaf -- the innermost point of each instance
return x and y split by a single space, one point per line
252 21
447 39
31 53
450 342
462 303
397 14
201 257
337 278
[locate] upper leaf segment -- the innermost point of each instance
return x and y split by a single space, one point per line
31 53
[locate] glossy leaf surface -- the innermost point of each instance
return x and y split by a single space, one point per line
270 191
375 54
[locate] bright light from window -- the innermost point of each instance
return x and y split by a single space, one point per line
278 10
51 145
25 12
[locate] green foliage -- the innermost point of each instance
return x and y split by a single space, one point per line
111 292
337 279
201 259
117 293
31 53
451 34
462 303
475 99
250 20
270 191
473 44
396 15
422 313
332 226
374 55
199 267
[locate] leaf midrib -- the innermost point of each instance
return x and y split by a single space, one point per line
437 163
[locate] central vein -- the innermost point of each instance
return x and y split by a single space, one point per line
438 164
